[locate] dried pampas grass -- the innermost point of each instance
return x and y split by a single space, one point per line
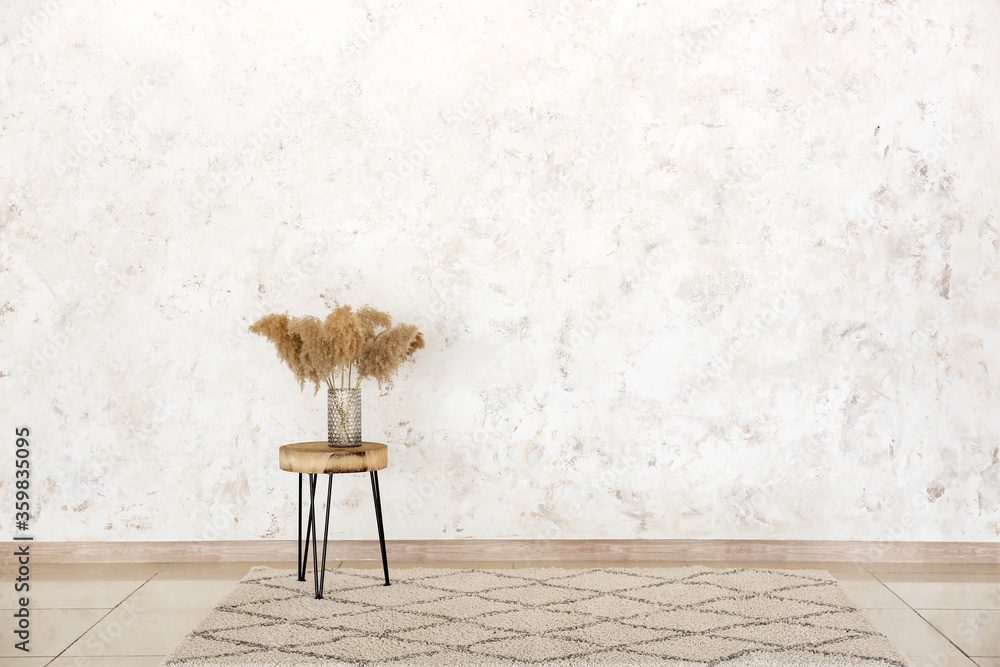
372 320
320 351
289 345
316 360
387 351
344 333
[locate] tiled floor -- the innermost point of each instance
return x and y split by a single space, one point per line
131 615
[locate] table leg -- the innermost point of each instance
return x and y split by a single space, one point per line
304 561
312 522
378 518
326 533
301 563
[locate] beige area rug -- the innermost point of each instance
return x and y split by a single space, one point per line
683 617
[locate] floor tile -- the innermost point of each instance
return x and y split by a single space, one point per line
188 585
218 571
26 662
81 585
976 632
89 571
949 568
86 594
941 661
586 564
126 632
180 593
867 592
52 630
447 564
912 635
107 661
945 591
945 577
987 662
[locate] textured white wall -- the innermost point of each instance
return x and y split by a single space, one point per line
684 269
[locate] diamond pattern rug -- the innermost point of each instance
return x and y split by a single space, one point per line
677 617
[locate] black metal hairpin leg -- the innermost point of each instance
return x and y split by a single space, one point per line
312 522
326 534
378 518
312 529
302 560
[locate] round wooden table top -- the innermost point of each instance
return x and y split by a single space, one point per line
318 458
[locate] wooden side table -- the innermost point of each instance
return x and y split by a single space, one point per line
317 458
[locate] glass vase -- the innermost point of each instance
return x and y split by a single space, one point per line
343 418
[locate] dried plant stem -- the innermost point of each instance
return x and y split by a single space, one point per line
343 418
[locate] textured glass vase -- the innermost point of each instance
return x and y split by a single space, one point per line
343 417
